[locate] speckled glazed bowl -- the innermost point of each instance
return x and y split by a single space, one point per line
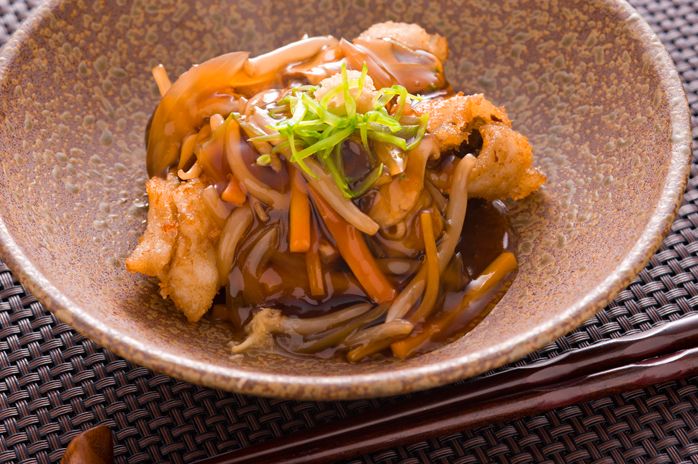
587 81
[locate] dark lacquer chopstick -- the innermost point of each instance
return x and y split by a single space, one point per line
609 367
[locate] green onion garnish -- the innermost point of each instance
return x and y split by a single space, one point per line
263 160
314 129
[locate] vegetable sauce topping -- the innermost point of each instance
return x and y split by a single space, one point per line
316 196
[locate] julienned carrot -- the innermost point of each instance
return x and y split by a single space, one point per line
313 262
299 213
353 248
162 80
437 327
233 193
432 264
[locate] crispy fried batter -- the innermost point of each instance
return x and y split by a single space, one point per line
452 120
503 166
192 280
178 245
155 249
410 35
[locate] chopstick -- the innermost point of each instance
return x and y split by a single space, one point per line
631 362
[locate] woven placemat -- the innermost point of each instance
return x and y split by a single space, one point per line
55 383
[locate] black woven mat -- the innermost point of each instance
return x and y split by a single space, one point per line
54 382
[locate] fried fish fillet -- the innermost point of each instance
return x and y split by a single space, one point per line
410 35
453 119
154 251
179 245
503 167
192 282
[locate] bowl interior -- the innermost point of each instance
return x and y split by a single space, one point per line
588 83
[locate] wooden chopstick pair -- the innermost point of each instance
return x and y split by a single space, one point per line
661 354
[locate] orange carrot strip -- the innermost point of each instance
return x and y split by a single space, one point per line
299 234
313 263
233 193
352 246
161 79
432 264
495 273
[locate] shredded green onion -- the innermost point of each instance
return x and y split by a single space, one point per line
368 182
263 160
314 129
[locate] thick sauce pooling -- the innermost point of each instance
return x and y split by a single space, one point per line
402 191
283 283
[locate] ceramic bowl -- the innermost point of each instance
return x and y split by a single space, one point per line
588 82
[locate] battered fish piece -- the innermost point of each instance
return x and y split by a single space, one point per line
154 251
192 280
410 35
453 119
503 167
179 245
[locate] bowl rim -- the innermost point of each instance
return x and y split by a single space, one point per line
399 381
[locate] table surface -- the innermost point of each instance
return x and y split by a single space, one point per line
55 383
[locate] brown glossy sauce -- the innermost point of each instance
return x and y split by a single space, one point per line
486 234
284 283
265 273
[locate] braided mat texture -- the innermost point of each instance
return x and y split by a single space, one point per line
55 383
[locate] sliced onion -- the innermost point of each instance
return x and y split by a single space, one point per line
264 148
391 156
196 95
256 262
216 120
396 199
193 172
291 53
235 227
219 209
455 215
254 186
326 186
261 121
187 150
441 202
261 251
